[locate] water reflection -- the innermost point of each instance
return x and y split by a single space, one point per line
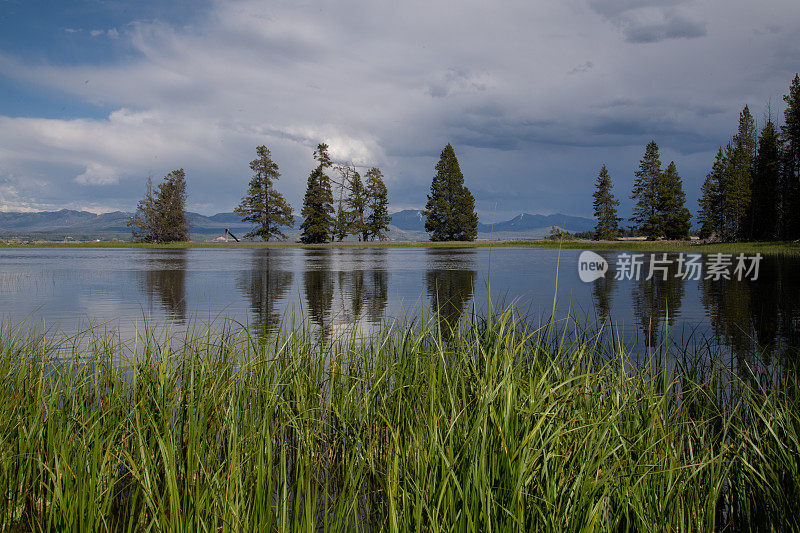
334 288
376 289
265 284
363 287
450 281
657 301
163 278
603 288
757 320
318 288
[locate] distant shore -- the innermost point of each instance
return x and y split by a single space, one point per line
773 248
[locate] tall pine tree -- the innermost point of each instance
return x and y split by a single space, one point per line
264 206
790 179
605 207
766 182
645 192
735 187
318 201
450 211
673 217
378 203
709 216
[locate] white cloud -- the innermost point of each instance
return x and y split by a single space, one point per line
97 174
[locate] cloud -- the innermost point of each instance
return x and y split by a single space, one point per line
672 25
584 67
97 174
112 33
388 84
457 81
652 21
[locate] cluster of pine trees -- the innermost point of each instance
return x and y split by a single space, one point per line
751 193
161 214
660 211
362 208
334 209
753 189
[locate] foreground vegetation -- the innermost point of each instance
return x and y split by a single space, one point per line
494 427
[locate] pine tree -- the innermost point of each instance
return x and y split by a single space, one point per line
673 217
264 206
605 207
450 211
341 225
357 203
171 205
645 192
766 180
378 203
735 187
318 201
161 214
790 180
709 216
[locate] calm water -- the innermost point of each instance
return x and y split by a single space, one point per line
336 288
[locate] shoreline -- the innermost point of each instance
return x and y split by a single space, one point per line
771 248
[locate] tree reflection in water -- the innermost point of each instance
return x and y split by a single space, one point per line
265 284
319 288
376 289
603 289
450 281
758 320
164 278
362 286
656 301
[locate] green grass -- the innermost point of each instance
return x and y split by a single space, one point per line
496 427
765 248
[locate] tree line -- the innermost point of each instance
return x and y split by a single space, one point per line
660 209
752 191
334 208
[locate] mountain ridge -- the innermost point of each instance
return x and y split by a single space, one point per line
407 224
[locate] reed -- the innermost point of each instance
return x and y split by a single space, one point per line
495 426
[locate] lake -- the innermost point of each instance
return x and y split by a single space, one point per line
336 288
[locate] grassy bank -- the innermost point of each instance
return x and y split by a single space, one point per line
765 248
496 429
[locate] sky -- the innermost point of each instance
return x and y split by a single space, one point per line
97 95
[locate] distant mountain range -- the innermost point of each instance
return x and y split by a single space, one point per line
408 224
525 223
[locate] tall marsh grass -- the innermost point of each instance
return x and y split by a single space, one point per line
495 428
